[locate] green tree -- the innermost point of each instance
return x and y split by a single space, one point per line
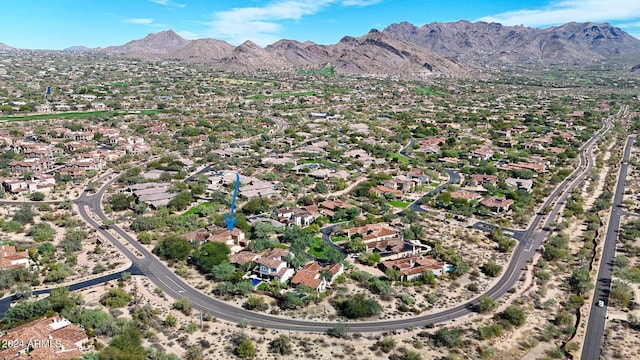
173 247
181 201
515 315
183 305
72 240
223 271
447 338
580 281
41 232
46 249
93 318
115 298
338 331
126 345
281 345
61 300
171 321
121 201
37 196
256 205
290 300
359 306
386 344
491 269
486 304
428 277
210 255
245 349
24 215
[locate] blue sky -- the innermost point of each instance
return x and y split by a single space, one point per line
58 24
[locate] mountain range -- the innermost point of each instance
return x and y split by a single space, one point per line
435 49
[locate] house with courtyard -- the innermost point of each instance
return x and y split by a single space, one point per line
414 267
10 258
316 276
497 204
49 338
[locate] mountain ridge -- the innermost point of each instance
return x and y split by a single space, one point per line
434 49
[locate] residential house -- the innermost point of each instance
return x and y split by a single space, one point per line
373 232
384 190
311 275
243 257
482 153
235 239
328 208
40 182
414 266
393 248
482 179
257 189
294 216
10 258
496 204
418 175
273 266
463 194
400 184
30 165
524 184
49 338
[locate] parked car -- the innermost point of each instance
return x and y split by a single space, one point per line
600 303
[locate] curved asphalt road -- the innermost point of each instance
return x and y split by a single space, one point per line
146 263
177 288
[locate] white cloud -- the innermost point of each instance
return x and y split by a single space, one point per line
564 11
168 3
139 21
360 2
263 24
188 34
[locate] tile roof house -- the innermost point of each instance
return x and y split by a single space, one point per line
465 195
496 204
273 266
234 239
393 248
418 175
45 339
311 275
382 190
414 266
482 179
10 258
243 257
373 232
30 165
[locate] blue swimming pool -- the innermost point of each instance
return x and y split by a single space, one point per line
255 282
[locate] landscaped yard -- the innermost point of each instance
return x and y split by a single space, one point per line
399 204
398 157
317 248
198 209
